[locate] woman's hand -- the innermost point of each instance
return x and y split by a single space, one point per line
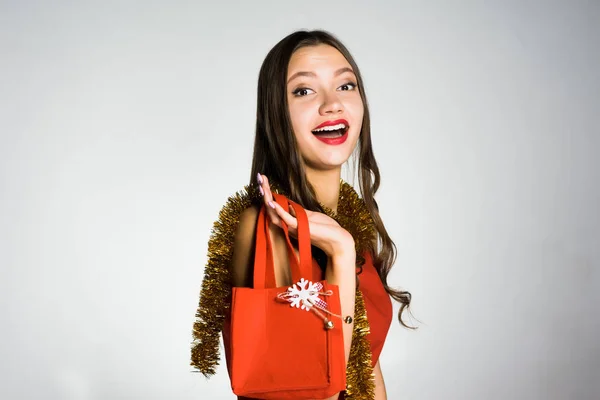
325 232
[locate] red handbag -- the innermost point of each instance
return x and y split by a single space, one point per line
279 342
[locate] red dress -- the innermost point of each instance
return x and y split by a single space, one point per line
378 305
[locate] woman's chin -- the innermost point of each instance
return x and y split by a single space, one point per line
330 163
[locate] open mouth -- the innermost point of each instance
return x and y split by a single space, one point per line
332 137
331 132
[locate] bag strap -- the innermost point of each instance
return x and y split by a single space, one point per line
264 269
260 253
303 234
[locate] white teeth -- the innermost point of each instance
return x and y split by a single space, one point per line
330 128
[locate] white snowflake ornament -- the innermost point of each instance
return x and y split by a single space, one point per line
304 294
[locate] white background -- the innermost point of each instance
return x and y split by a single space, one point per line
125 125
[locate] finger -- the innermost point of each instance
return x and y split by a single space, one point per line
259 182
290 221
292 212
268 198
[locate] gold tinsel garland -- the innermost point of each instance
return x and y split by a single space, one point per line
352 215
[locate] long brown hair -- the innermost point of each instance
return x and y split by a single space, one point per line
276 154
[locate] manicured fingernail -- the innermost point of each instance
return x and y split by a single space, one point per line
262 192
271 205
259 179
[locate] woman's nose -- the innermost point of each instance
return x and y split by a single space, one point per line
331 105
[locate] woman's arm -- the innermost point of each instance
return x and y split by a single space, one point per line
243 249
380 393
337 274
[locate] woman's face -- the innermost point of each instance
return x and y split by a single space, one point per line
325 106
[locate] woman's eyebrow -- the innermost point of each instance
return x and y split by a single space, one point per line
313 75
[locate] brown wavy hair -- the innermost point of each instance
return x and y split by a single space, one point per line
276 154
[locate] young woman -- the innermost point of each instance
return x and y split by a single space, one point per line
312 114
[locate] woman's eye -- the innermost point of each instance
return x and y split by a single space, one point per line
301 92
348 86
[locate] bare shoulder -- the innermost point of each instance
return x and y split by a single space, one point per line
243 248
248 218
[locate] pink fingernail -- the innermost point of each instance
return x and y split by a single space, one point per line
259 179
271 205
262 192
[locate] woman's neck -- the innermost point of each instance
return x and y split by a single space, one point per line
326 185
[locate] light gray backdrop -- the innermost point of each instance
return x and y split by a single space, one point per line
125 125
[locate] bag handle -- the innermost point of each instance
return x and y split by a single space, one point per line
305 263
264 269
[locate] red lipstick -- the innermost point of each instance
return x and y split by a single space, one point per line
335 141
329 123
